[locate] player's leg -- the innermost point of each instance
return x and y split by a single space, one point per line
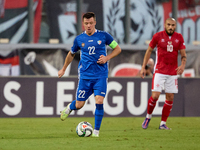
150 107
100 88
152 103
171 87
83 92
157 86
166 110
74 105
99 112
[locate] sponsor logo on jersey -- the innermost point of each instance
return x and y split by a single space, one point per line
90 41
83 44
163 40
99 42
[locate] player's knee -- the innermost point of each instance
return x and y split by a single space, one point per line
99 99
170 97
99 102
155 97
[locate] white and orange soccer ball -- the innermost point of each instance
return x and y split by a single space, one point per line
84 129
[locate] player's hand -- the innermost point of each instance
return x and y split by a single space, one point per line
102 59
142 73
60 73
180 69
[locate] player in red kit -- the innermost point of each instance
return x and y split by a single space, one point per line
166 69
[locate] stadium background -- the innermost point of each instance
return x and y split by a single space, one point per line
33 49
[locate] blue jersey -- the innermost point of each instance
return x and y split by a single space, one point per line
92 47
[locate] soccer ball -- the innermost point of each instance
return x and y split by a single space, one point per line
84 129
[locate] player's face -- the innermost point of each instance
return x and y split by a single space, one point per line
89 25
170 26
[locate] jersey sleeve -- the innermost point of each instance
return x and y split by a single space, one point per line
75 46
154 41
110 41
182 43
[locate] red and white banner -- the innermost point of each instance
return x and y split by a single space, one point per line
188 19
9 64
14 22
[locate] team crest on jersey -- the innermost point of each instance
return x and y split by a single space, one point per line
83 44
99 42
169 42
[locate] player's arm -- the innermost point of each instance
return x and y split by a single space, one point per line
146 58
181 68
116 51
68 60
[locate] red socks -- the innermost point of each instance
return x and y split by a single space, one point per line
151 105
166 110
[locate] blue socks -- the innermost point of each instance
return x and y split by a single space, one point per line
73 105
98 116
98 113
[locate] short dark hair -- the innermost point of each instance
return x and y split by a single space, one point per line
89 15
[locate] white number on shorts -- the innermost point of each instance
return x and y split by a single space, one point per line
81 94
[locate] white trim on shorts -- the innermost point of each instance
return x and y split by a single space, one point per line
168 83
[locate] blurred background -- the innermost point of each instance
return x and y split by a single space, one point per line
35 35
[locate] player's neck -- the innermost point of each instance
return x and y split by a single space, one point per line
91 33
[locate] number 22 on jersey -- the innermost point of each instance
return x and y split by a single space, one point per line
91 50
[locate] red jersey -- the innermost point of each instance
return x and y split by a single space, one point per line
167 51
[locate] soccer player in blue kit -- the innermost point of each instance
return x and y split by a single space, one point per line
92 68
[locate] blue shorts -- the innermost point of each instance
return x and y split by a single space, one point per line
87 87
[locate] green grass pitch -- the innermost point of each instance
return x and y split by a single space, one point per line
116 133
